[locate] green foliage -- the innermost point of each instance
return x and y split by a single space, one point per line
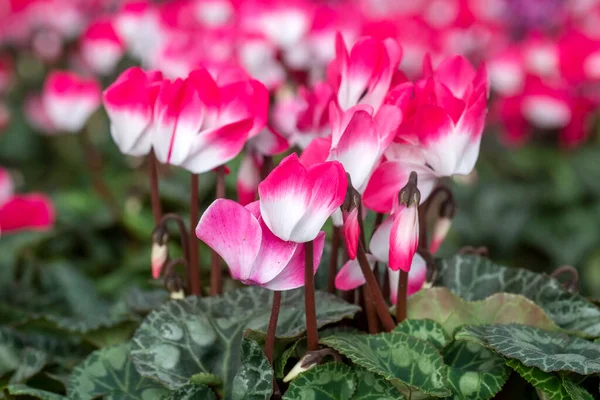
185 337
424 329
476 278
548 351
442 306
402 359
254 379
109 372
331 381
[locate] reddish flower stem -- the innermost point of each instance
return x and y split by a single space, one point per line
371 312
333 259
266 167
154 190
215 260
312 335
271 330
194 269
402 294
380 305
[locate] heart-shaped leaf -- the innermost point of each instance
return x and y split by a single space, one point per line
24 390
192 391
254 379
330 381
546 382
424 329
110 372
475 373
476 278
398 357
444 307
185 337
371 386
548 351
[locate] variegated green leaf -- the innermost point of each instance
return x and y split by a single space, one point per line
548 351
192 391
371 386
330 381
186 337
254 379
476 278
424 329
475 373
546 382
398 357
24 390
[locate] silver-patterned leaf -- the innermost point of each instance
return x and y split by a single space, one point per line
254 379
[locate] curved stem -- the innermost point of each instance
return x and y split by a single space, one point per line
194 268
266 167
271 330
215 259
380 305
333 259
154 188
184 241
372 321
312 335
401 296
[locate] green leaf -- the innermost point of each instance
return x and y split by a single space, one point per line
475 278
575 391
475 373
546 382
281 362
110 372
206 379
549 351
374 387
424 329
254 379
24 390
330 381
32 362
192 391
398 357
185 337
449 310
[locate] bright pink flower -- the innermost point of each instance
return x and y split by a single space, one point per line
295 201
359 139
316 152
70 100
129 103
36 114
200 126
313 120
23 212
101 47
254 255
404 237
350 276
364 75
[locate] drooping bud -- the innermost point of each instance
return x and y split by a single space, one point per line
301 366
309 360
350 211
160 251
404 235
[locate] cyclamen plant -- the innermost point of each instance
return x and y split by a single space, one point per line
317 274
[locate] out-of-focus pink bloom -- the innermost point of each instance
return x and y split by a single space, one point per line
440 230
350 276
70 100
352 232
199 125
129 103
313 120
364 75
36 114
101 48
23 212
214 13
260 258
259 57
295 201
359 139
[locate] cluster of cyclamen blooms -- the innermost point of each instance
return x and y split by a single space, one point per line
542 59
379 127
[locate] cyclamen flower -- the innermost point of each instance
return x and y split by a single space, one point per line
255 256
364 75
350 276
200 126
295 201
129 103
70 100
23 212
101 47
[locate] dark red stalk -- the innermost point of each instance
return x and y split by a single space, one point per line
380 305
271 330
266 167
194 267
333 259
154 191
402 294
371 312
312 335
215 260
